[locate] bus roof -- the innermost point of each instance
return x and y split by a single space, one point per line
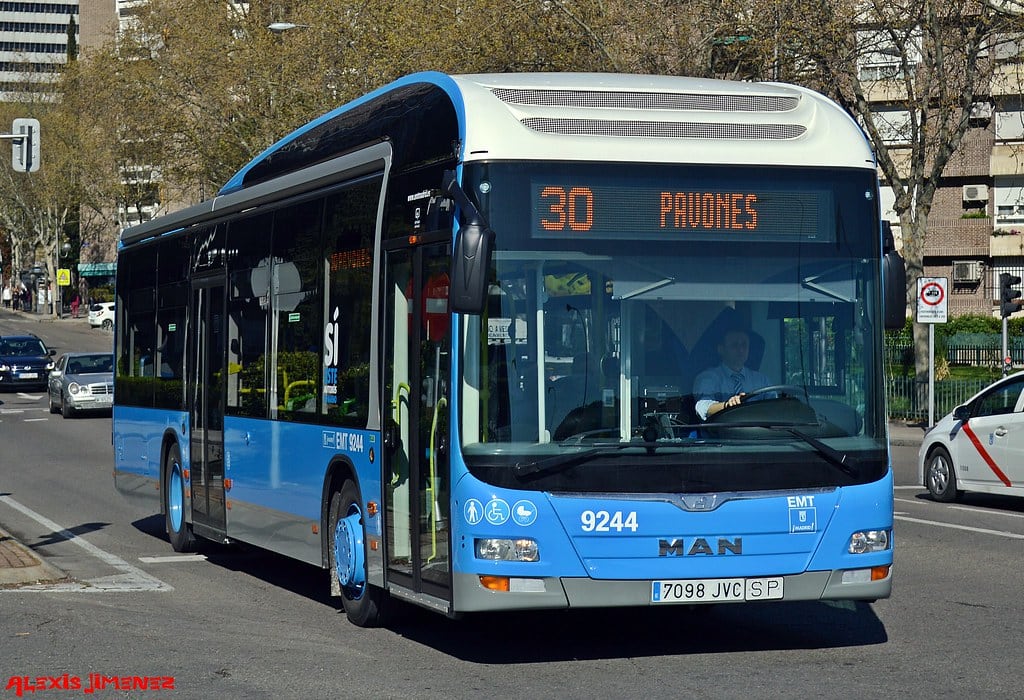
646 118
590 116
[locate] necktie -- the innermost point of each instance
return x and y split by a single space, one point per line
737 383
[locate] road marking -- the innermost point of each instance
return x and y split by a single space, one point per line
969 509
980 530
130 578
29 396
34 420
172 558
908 488
972 509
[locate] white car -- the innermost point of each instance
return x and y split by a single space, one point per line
979 446
101 315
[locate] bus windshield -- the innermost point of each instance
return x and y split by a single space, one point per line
602 361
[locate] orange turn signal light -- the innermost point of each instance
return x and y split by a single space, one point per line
879 572
495 583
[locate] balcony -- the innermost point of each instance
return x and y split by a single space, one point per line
960 237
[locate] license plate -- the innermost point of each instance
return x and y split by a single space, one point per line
28 375
717 590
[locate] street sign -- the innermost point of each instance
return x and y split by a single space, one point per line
64 277
931 300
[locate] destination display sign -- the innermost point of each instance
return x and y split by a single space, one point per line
680 210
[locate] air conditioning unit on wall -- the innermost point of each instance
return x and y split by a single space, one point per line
966 271
975 193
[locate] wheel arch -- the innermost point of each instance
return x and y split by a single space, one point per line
932 449
340 470
170 439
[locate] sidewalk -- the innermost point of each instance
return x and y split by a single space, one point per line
904 434
28 317
20 565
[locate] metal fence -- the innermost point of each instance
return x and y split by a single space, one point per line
908 399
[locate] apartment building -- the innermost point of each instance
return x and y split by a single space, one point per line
34 43
976 225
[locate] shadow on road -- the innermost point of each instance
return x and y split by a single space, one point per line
531 637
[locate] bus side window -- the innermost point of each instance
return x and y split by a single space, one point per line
248 300
349 223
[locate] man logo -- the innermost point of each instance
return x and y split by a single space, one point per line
700 545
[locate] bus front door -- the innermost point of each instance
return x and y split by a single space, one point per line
416 479
206 407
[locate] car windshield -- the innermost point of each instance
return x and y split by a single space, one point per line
22 347
91 364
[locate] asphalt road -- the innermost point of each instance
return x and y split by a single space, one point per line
234 622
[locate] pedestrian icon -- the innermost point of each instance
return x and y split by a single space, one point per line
474 511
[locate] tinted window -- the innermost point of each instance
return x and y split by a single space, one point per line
349 227
297 302
248 302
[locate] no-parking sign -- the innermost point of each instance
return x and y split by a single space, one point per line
931 299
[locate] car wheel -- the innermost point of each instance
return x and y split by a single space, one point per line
65 408
53 406
940 476
179 532
364 603
108 325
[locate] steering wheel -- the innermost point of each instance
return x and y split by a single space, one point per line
783 389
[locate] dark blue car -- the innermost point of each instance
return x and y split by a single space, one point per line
25 362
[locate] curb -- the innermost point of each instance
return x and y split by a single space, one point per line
19 565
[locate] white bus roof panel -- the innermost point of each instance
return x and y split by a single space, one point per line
594 116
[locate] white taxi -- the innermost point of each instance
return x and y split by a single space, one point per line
979 446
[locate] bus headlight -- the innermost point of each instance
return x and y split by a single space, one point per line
506 549
867 541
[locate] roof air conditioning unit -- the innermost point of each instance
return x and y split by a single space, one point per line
966 270
975 193
981 111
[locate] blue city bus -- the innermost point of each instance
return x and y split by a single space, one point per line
442 342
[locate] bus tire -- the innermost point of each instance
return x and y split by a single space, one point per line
179 531
364 603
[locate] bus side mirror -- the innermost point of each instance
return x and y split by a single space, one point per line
894 296
894 281
470 265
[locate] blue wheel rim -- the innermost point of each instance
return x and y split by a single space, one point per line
349 557
175 497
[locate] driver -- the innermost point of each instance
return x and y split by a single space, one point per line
725 385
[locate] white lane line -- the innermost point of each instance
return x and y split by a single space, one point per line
173 558
130 578
34 420
980 530
908 488
986 511
969 509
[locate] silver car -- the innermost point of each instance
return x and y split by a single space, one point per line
82 381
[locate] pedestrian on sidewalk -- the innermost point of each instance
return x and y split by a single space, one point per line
74 306
7 297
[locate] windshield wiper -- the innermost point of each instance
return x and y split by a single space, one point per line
844 462
556 463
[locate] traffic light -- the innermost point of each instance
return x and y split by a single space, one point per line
25 150
1009 298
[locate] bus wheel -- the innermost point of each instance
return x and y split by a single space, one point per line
178 531
364 603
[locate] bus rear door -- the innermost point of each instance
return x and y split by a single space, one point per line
206 408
